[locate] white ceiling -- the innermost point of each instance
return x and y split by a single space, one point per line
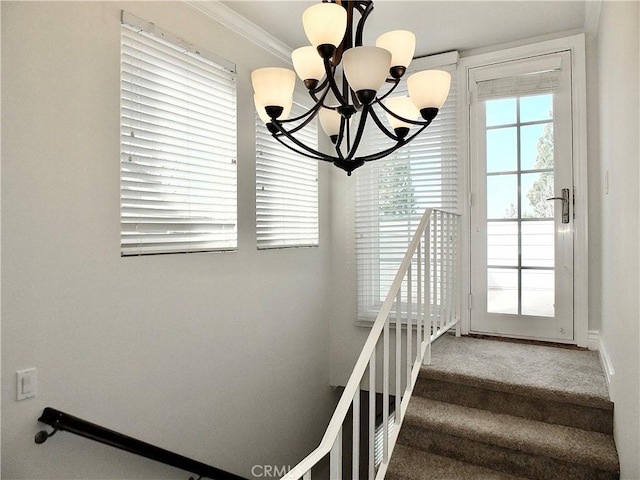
439 25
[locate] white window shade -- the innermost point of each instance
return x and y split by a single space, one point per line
286 189
392 194
525 84
524 77
178 148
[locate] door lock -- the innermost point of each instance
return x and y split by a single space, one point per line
565 204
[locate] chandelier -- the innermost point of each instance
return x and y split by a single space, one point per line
344 79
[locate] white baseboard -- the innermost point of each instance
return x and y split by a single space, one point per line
607 366
593 342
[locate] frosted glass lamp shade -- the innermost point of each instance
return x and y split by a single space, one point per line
366 68
263 114
325 24
330 121
401 44
429 88
273 86
404 107
307 63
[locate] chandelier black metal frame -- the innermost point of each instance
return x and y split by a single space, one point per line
353 75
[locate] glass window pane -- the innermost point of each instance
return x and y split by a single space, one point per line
502 243
502 196
535 188
502 290
538 295
502 150
538 244
501 112
536 107
536 146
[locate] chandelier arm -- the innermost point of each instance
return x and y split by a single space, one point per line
356 101
384 153
309 113
396 82
358 137
344 124
297 128
348 130
332 82
363 18
426 123
319 88
382 128
315 156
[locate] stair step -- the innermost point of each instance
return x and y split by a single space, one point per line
578 411
508 443
519 388
412 464
536 371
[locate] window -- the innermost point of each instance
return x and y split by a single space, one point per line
392 194
178 146
287 189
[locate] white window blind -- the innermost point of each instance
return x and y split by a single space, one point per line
286 189
178 147
392 194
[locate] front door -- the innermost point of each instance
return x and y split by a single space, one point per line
522 199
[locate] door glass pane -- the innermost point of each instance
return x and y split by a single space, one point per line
538 244
536 146
502 150
502 290
502 244
502 196
538 294
501 112
535 189
525 143
536 107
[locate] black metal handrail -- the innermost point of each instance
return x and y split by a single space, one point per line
61 421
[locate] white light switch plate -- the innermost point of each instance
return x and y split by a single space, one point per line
27 383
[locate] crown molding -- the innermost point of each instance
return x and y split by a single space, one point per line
237 23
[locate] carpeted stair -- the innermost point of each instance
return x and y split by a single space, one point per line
475 425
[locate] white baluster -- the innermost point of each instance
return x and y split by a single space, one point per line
355 454
372 412
427 296
444 279
385 391
419 331
335 458
398 368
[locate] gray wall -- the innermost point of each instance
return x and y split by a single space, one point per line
619 154
221 357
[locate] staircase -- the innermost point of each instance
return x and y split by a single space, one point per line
497 410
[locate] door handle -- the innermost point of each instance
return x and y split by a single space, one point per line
565 204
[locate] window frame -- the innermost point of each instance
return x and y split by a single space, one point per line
178 190
369 273
299 178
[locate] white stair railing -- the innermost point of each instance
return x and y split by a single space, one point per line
423 300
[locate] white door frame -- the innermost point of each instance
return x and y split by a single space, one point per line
576 44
